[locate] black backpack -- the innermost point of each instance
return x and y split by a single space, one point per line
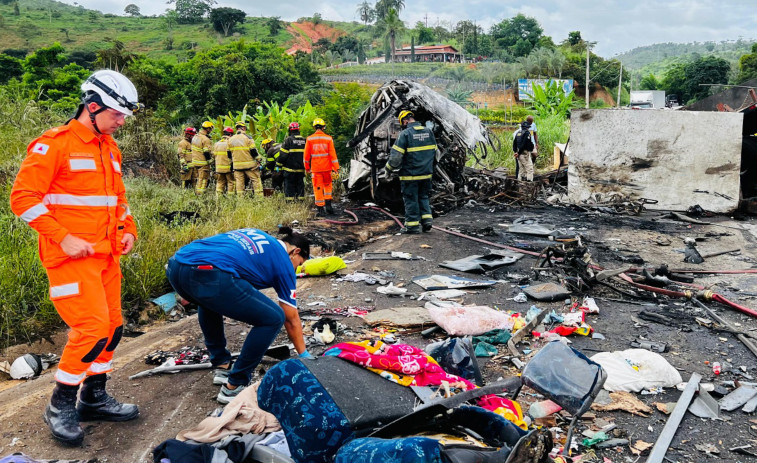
523 141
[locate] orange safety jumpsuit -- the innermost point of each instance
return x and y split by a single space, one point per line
70 183
320 159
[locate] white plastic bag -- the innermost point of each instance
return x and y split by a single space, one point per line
470 320
654 370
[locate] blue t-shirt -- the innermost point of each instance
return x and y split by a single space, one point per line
250 254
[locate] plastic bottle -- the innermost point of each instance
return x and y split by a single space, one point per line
716 368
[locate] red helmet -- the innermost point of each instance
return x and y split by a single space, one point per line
294 126
190 131
228 131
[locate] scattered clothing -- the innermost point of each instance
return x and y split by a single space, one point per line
241 416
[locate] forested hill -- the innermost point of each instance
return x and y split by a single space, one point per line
655 58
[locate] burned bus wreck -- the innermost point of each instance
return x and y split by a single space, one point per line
458 133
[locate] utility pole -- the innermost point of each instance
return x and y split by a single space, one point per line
620 81
588 47
426 18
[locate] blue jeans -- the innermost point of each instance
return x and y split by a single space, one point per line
219 294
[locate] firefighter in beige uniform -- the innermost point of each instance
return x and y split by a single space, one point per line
185 158
246 160
222 155
202 157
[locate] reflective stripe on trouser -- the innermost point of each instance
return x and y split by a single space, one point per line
526 166
203 178
87 295
322 187
240 176
294 185
224 182
415 194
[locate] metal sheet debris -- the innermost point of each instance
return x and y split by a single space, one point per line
737 398
671 426
705 406
481 264
547 292
666 156
435 282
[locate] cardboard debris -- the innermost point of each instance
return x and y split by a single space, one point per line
626 402
640 447
403 317
666 408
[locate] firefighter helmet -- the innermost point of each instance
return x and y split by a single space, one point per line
113 90
190 131
318 122
294 126
404 114
266 141
208 125
240 125
228 131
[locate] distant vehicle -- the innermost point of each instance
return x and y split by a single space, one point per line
671 101
647 99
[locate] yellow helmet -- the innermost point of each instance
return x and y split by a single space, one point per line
266 141
404 114
208 125
318 121
240 124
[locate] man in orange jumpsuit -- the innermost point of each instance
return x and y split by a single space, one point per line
320 159
69 189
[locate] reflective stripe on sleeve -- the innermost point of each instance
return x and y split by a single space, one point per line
415 177
73 200
34 212
421 148
397 148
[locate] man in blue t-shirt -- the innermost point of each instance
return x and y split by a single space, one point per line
223 274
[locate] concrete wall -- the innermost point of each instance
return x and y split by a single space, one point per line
679 158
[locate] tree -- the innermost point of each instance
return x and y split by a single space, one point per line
274 25
170 19
705 70
424 34
116 57
132 10
346 44
66 31
748 66
192 11
317 18
16 9
574 38
224 19
520 34
383 7
366 12
649 82
391 26
322 45
412 49
10 68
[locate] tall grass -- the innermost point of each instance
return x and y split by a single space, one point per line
25 310
551 130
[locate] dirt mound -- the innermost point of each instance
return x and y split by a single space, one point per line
306 34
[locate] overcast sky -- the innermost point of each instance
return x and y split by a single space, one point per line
616 25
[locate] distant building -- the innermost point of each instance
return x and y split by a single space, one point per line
433 53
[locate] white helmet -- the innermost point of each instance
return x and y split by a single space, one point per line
114 90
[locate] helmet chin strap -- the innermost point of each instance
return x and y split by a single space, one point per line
92 116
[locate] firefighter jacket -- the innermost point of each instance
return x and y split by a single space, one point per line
271 156
320 155
413 153
201 150
242 148
222 155
70 183
185 153
291 154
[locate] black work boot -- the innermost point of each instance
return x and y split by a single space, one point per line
427 227
96 404
61 416
329 209
319 211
